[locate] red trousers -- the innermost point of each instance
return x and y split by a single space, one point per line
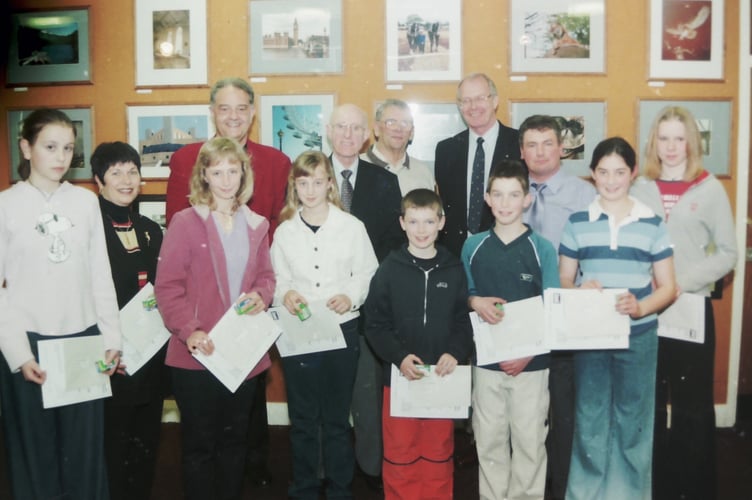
418 456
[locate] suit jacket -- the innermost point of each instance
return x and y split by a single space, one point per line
451 179
376 202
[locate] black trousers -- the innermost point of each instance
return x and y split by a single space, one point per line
561 420
214 432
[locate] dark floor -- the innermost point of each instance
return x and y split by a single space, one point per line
734 467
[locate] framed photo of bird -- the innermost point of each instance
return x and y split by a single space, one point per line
686 40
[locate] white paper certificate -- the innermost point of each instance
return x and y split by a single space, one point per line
143 331
521 333
320 332
431 396
583 318
71 366
240 341
684 319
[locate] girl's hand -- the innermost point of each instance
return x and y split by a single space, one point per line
33 372
446 364
409 369
292 301
627 303
339 303
255 300
199 341
591 284
112 356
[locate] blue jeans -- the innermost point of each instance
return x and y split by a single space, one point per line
614 413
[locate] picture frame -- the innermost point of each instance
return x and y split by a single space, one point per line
171 47
153 206
423 40
686 40
80 169
433 122
158 131
557 36
315 45
583 127
296 123
49 47
713 120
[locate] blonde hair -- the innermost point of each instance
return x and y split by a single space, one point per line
652 168
213 152
304 166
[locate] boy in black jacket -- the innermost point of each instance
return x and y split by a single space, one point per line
416 314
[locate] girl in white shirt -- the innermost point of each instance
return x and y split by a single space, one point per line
321 255
53 259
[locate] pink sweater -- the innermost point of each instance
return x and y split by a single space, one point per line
192 288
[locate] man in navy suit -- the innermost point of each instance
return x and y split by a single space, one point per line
374 199
477 99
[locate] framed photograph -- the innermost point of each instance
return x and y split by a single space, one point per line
713 120
80 169
170 43
557 36
433 122
423 40
686 39
583 126
158 131
295 36
153 206
296 123
48 47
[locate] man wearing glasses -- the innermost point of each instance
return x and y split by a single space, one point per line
464 161
394 129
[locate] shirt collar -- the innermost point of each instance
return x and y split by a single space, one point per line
490 137
639 211
377 157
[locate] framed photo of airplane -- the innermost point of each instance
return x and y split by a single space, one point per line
686 40
557 36
296 123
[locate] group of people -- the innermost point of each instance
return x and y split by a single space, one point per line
401 255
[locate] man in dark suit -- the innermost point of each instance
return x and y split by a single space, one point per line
458 158
372 194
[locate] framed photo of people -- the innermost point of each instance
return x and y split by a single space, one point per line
686 40
557 36
295 37
49 46
158 131
80 169
296 123
583 125
171 45
423 40
713 118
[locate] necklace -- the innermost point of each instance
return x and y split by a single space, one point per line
225 219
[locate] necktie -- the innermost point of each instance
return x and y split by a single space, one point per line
475 205
536 211
347 190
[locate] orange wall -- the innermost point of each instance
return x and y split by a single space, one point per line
485 47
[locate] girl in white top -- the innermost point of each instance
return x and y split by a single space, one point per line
53 259
321 254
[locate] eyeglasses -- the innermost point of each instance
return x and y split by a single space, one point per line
392 123
478 100
354 128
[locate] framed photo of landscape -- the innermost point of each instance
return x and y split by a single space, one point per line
583 125
686 40
295 37
49 46
171 45
557 36
296 123
80 169
423 40
158 131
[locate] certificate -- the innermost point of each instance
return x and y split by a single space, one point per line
585 318
143 331
319 332
521 333
240 341
431 396
684 319
72 375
